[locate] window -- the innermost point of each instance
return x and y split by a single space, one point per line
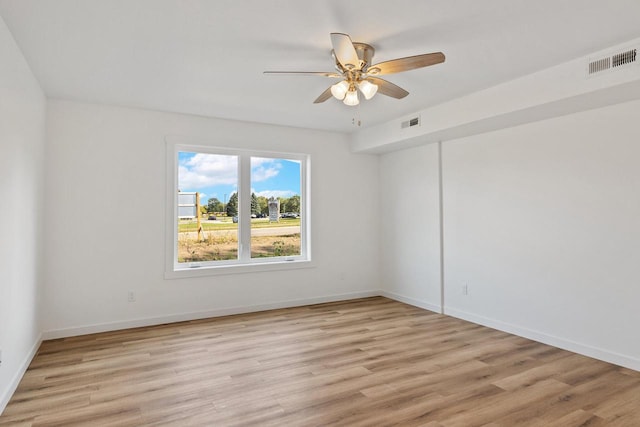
232 208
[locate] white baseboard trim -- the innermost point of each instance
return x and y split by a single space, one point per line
411 301
5 395
565 344
150 321
596 353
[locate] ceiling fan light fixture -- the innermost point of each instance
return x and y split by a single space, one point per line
351 98
368 89
339 90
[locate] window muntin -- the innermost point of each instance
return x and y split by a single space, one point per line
227 179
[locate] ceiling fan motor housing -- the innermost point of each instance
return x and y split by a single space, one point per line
365 54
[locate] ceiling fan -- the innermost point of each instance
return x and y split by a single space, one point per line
354 68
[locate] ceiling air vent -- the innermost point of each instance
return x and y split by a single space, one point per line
599 65
624 58
613 61
415 121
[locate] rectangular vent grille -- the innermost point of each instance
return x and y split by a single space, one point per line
624 58
410 123
613 61
599 65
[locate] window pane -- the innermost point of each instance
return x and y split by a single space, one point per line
275 207
208 182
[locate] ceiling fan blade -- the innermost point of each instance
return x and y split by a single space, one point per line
406 64
345 52
305 73
323 96
388 88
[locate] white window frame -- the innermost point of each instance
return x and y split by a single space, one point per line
244 263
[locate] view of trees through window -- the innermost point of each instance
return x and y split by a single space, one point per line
209 207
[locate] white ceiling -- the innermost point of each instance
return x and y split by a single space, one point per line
206 57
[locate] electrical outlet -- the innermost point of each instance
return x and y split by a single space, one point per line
131 296
465 289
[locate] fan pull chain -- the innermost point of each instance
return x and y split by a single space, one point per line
355 120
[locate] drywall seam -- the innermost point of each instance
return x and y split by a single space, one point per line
441 225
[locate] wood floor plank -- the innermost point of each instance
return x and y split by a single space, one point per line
369 362
577 418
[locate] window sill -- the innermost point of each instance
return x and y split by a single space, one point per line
237 269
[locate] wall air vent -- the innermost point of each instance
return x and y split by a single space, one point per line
612 61
624 58
599 65
414 121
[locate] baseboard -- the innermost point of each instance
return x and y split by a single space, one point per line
5 395
596 353
181 317
575 347
411 301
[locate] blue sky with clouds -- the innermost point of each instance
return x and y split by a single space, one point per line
215 175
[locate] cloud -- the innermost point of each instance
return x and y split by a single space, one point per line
276 193
262 169
204 170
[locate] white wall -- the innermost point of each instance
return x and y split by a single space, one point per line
22 126
541 222
105 186
410 229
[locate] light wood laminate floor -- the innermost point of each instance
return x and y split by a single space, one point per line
369 362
